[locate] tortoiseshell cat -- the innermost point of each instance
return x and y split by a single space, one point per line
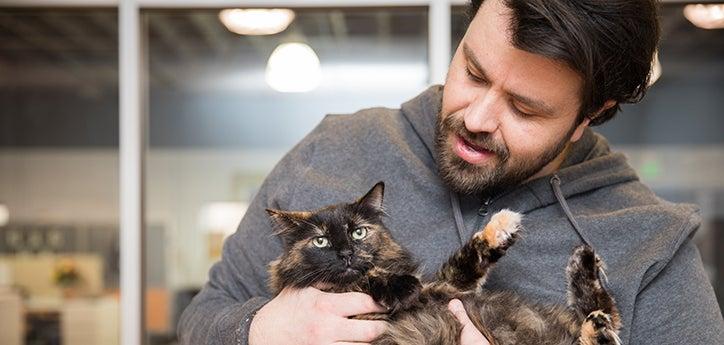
348 248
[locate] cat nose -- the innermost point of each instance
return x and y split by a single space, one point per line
346 255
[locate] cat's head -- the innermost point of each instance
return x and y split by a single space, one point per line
333 246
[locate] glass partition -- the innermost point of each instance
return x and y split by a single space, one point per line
58 176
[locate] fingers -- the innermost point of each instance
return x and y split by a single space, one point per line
349 304
361 330
457 309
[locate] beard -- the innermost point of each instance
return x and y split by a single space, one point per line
500 173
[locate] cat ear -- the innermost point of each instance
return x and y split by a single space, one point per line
285 221
373 198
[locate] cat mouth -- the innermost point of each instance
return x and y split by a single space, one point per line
352 271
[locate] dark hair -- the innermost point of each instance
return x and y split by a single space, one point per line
610 43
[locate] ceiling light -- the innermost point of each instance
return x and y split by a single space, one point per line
256 21
705 16
293 67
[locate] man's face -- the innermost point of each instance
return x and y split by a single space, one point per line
507 115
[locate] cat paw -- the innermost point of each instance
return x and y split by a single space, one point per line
598 329
599 319
586 264
502 229
399 292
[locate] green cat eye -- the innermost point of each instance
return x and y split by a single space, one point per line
359 233
320 242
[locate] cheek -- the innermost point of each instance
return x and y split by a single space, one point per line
526 138
319 257
366 248
457 93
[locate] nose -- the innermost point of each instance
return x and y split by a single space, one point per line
346 255
483 113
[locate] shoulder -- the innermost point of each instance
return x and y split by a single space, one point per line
365 127
343 156
633 222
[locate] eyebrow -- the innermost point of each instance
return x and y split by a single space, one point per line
530 102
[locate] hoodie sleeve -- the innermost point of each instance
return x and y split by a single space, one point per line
237 287
678 306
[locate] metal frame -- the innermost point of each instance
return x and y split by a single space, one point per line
132 146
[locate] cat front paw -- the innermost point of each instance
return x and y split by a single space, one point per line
502 229
397 292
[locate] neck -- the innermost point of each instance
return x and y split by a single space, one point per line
553 165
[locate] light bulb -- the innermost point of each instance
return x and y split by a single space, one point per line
293 67
256 21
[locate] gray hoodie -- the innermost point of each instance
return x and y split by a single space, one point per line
654 270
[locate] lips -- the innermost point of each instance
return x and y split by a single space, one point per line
469 152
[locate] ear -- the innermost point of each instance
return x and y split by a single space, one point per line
286 221
373 198
578 133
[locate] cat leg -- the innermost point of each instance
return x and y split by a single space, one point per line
598 329
589 300
468 267
394 291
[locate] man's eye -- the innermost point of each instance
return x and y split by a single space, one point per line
474 77
520 112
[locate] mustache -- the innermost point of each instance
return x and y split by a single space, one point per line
456 124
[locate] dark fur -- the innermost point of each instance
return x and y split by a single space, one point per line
418 313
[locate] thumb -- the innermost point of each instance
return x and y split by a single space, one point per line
456 308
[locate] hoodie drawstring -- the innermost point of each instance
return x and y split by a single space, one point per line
556 183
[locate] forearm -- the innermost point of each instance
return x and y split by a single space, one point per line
215 319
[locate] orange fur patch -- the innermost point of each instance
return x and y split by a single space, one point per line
490 234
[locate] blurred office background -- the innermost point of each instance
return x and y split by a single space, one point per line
222 110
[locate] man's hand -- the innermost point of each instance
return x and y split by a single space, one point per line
470 335
313 317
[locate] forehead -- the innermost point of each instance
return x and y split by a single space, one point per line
488 38
338 217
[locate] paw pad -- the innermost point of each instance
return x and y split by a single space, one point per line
599 319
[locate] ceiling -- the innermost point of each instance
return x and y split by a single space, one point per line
52 47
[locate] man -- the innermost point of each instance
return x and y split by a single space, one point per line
508 130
